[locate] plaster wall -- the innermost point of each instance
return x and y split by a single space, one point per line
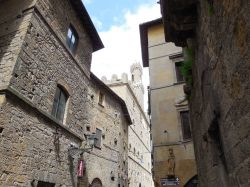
167 100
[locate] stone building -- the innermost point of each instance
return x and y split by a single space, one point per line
48 99
139 141
173 152
109 115
218 34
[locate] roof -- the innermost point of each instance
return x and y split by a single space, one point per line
115 96
88 24
144 39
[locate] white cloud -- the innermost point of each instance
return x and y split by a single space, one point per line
122 44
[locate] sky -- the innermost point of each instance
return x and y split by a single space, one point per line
117 22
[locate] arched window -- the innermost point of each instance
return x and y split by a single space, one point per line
72 38
59 104
96 183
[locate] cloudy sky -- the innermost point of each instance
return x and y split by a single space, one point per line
117 22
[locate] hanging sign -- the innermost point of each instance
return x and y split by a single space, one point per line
80 170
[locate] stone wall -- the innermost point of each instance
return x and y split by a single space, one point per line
34 60
139 143
42 64
220 100
112 158
32 147
60 15
14 23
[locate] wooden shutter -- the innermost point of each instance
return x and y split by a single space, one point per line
56 102
98 139
185 125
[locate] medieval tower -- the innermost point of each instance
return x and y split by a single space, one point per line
136 82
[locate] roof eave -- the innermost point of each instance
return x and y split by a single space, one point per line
144 39
88 24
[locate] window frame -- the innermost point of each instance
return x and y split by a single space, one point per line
179 77
60 94
72 46
184 137
101 98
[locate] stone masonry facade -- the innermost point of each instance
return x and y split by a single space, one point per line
219 36
220 101
139 139
34 60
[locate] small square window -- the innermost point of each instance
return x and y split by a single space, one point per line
179 76
72 38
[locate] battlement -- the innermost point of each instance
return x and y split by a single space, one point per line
115 79
135 82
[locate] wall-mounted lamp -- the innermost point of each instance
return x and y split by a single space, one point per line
88 145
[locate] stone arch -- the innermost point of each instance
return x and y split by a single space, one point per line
193 182
64 85
96 183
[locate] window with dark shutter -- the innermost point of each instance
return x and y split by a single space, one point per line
179 76
186 132
72 38
59 104
98 139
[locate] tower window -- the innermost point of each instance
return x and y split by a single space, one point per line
72 38
179 76
59 104
186 132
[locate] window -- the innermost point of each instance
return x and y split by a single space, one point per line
115 141
98 139
72 38
186 132
59 104
101 99
45 184
179 76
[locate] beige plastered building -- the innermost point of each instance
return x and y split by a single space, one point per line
173 154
